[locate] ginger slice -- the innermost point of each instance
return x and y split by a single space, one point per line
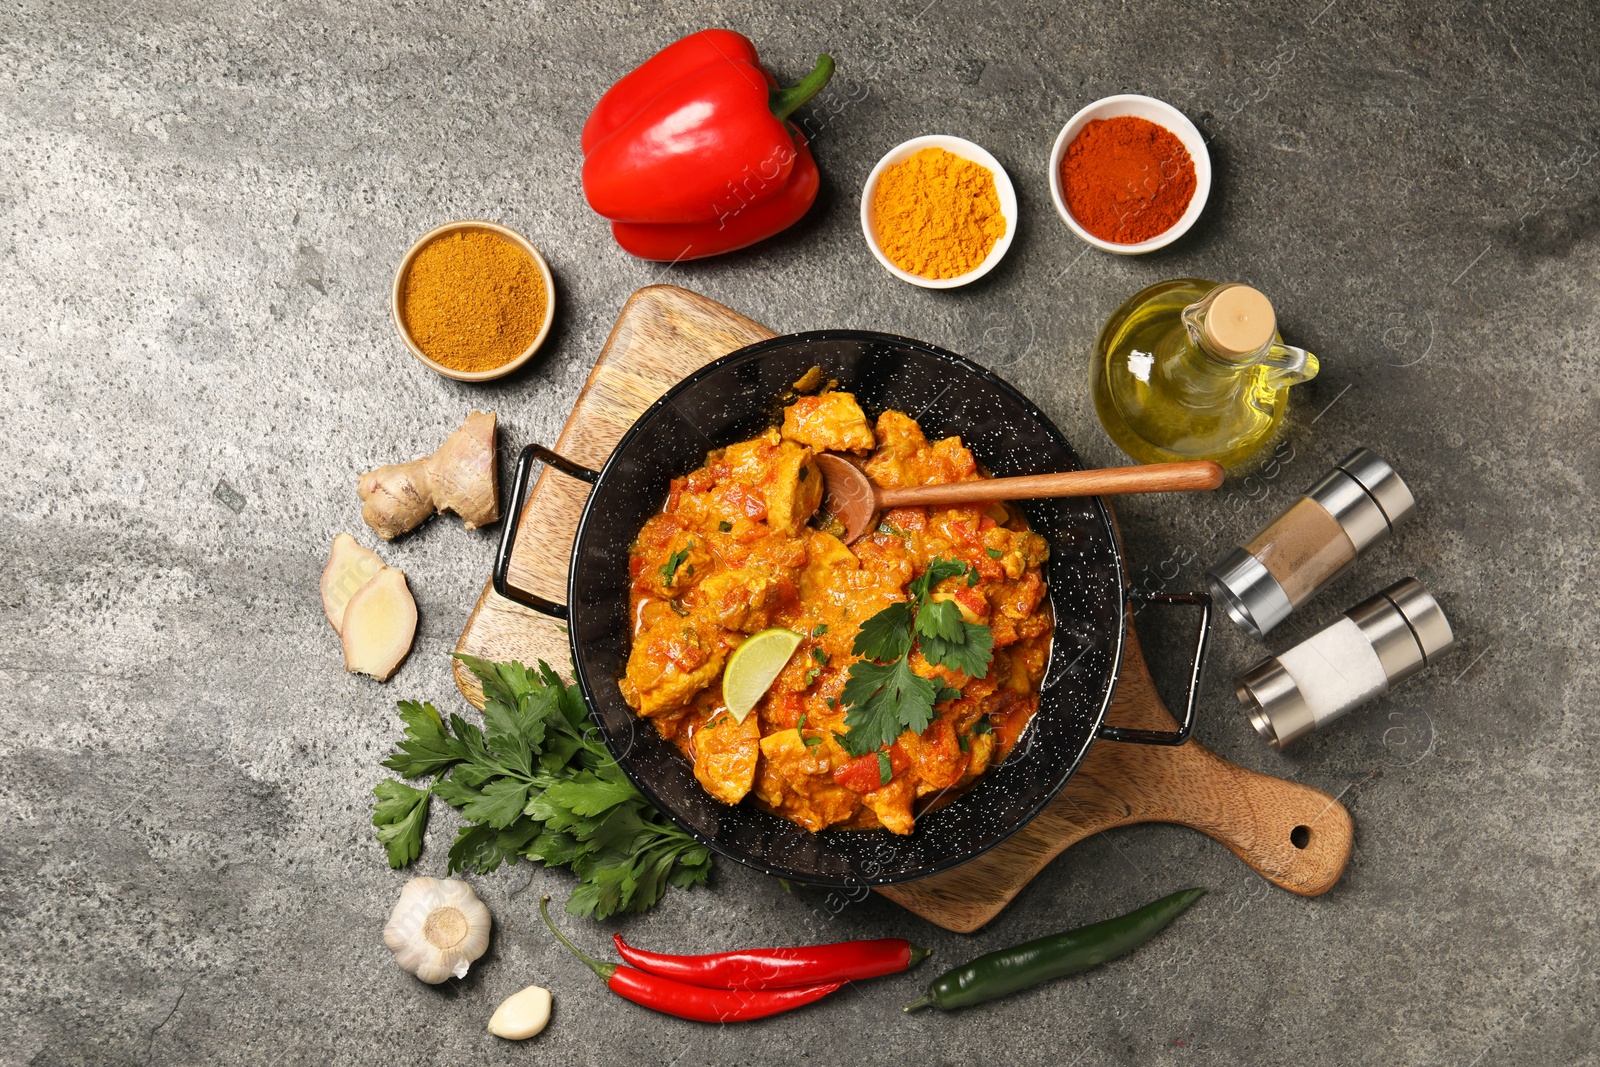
350 566
459 477
380 622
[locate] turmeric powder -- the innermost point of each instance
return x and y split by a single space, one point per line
936 214
472 300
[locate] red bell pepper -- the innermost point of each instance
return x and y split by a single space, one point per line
642 84
690 154
739 226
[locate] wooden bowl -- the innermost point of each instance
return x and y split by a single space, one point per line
515 238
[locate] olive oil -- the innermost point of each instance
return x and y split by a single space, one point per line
1188 369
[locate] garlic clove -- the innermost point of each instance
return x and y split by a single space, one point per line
521 1015
437 928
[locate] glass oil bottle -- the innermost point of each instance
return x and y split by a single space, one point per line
1189 369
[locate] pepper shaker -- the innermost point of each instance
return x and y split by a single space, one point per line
1357 504
1375 644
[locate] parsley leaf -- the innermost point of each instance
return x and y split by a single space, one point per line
819 629
941 619
669 569
886 635
970 653
885 768
400 815
993 553
428 746
938 570
535 781
884 701
724 526
883 697
981 727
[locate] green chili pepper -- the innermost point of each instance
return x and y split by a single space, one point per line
1028 964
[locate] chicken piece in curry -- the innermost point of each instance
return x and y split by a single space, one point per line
732 553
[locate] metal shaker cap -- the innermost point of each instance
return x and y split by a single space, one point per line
1249 593
1406 626
1366 496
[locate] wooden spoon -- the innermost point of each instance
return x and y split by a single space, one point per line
849 496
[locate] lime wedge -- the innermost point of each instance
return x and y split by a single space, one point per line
754 666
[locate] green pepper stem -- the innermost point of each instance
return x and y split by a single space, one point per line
918 954
786 101
600 967
927 1000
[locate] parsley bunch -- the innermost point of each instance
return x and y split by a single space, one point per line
883 695
534 782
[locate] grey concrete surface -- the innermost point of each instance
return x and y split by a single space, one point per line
200 209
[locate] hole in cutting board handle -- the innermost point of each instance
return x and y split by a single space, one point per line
1300 836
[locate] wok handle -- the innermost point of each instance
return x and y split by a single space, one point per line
1179 736
513 512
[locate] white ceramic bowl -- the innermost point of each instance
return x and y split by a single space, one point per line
966 150
1162 114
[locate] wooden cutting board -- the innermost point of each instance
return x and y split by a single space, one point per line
1293 835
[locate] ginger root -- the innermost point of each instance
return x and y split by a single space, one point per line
380 622
350 566
459 477
370 607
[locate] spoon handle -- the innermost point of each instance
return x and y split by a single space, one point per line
1150 478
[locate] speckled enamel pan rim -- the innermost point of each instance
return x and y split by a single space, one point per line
1162 114
397 291
966 150
1118 641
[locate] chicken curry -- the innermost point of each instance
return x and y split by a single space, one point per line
732 554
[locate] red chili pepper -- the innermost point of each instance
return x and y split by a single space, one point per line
695 140
864 774
780 968
690 1001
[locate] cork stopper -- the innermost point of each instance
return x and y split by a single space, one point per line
1239 322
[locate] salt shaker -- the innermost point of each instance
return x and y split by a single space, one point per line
1374 645
1357 505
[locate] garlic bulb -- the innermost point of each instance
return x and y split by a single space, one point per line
438 927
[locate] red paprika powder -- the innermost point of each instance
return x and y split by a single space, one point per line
1127 179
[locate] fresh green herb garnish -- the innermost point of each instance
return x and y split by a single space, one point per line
883 695
819 629
961 740
885 769
669 569
724 526
811 675
993 553
820 656
972 578
812 742
981 727
947 693
536 781
833 705
677 608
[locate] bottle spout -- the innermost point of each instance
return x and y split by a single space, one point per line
1287 365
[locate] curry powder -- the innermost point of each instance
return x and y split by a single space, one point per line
937 215
473 301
